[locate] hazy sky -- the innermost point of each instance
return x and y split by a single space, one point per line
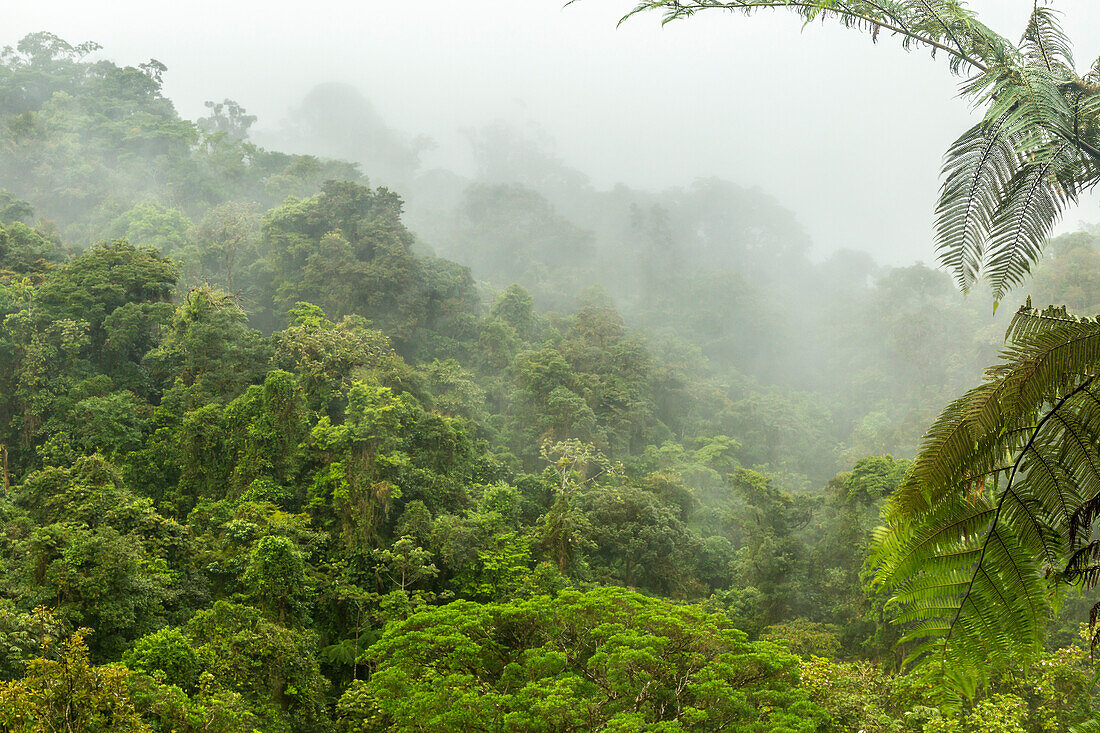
847 134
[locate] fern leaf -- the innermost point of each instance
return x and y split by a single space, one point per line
994 510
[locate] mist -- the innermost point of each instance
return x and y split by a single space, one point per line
818 118
753 197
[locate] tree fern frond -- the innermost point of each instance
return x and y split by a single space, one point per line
1024 218
973 565
1084 559
1028 321
977 167
1046 365
1045 42
1093 73
942 25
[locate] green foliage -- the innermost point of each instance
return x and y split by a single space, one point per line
259 472
349 252
149 225
27 636
24 250
804 638
516 233
166 652
772 559
274 668
99 556
1068 274
276 579
96 283
209 350
607 658
69 694
872 479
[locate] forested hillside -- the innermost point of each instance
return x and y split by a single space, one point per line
279 455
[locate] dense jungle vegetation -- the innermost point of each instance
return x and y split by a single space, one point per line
285 449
